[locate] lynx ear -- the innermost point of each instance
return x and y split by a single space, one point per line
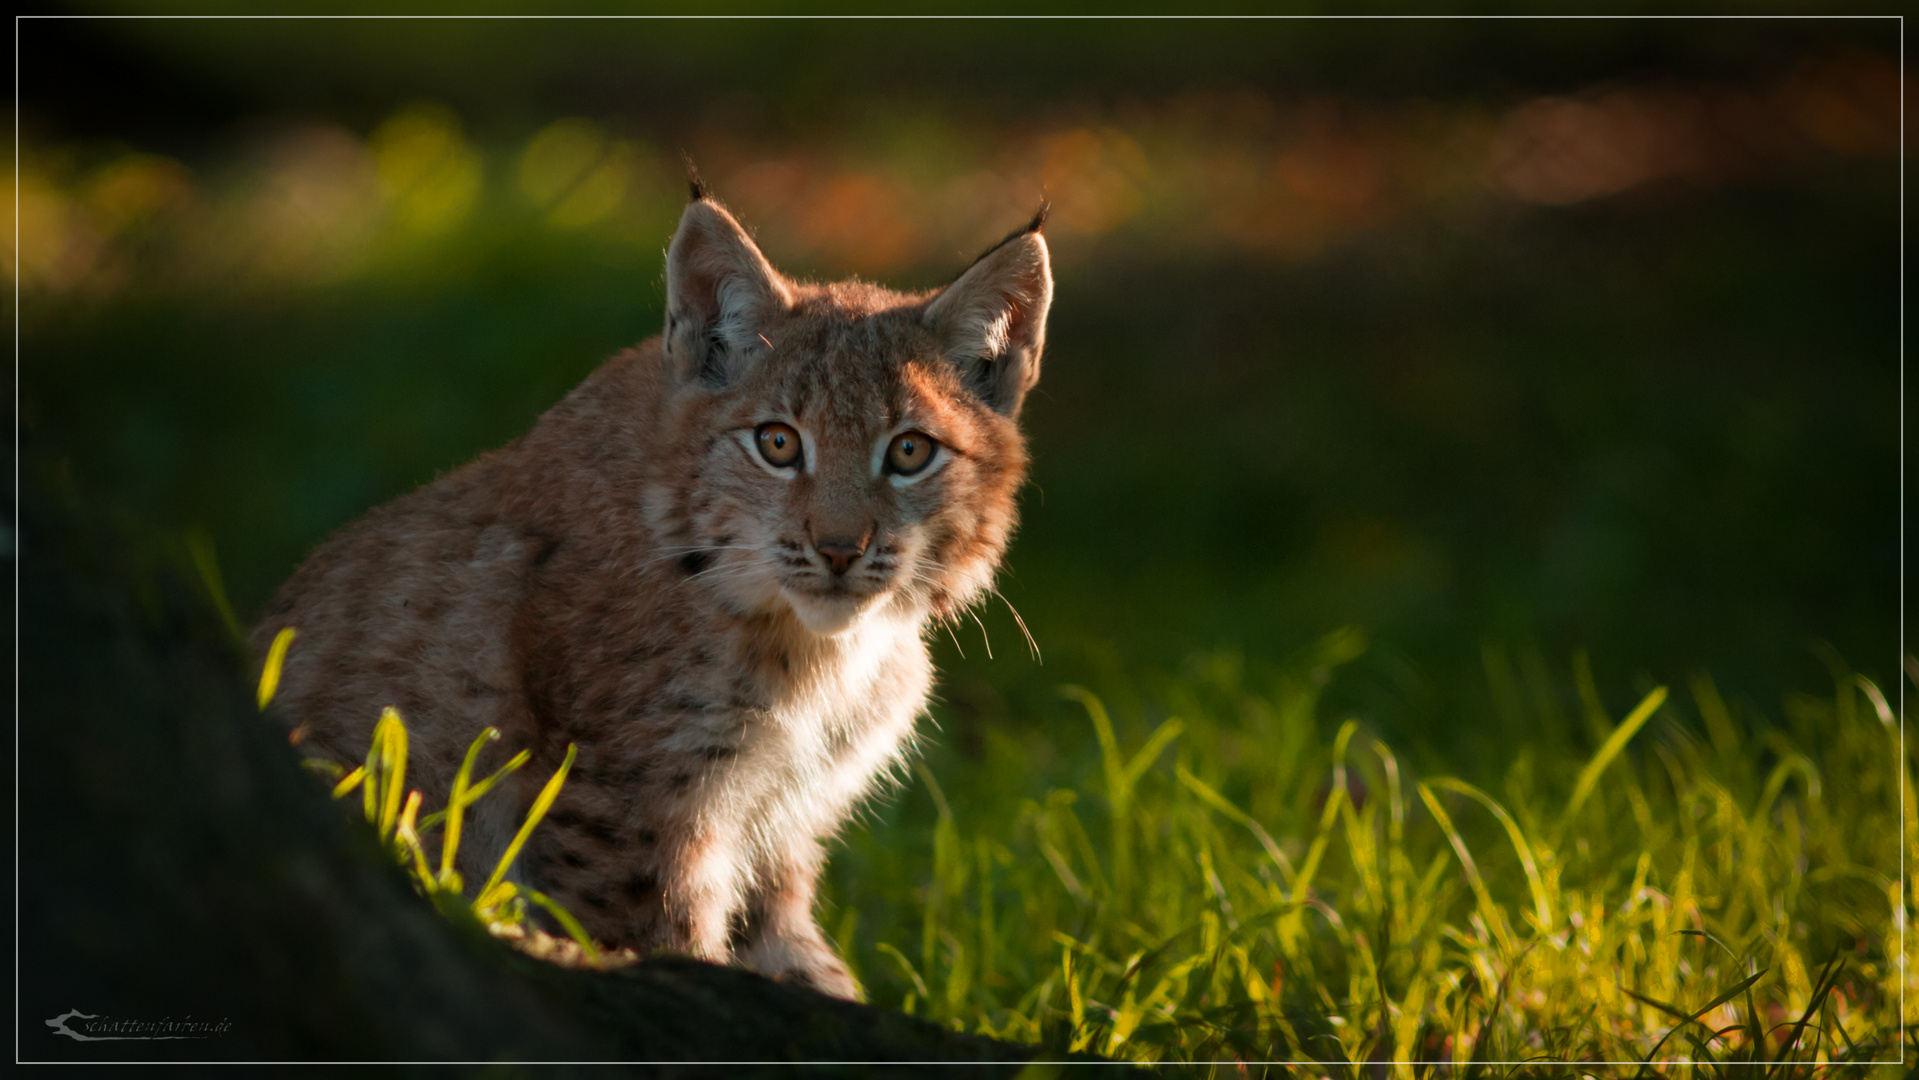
993 319
720 292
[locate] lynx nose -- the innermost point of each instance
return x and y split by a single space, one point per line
841 553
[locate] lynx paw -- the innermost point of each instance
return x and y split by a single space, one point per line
809 963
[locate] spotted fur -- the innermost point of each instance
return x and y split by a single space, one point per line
632 577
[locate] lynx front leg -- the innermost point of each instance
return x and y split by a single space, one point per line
779 938
702 890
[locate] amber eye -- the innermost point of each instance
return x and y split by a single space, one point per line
909 452
779 445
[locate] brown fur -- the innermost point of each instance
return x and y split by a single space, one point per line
630 577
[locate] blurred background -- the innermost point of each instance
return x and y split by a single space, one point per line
1506 342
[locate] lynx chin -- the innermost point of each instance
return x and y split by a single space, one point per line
712 566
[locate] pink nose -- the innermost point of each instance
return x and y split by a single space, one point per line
841 555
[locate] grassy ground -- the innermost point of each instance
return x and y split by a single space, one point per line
1703 894
1251 879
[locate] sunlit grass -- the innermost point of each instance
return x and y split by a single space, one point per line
1238 893
393 810
1237 888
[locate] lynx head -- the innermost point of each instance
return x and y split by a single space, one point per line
845 449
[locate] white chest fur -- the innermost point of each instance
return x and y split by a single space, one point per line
832 735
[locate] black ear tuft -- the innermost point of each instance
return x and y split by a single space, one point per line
1029 229
720 291
696 187
992 318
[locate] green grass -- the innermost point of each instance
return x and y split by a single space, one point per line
393 810
1702 895
1705 892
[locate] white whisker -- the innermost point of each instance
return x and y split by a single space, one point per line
1030 643
956 641
982 632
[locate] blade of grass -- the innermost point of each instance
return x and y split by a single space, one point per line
456 806
349 782
392 769
1328 815
1542 905
906 965
474 793
1495 922
1396 825
1474 1064
1077 1001
1155 744
332 770
276 661
572 925
1118 790
408 841
200 547
1828 979
1685 1018
1776 783
1220 803
1616 742
533 816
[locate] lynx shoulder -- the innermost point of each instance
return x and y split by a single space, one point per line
711 567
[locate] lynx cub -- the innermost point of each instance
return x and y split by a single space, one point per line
711 566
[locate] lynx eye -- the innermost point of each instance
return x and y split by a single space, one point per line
779 445
909 452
